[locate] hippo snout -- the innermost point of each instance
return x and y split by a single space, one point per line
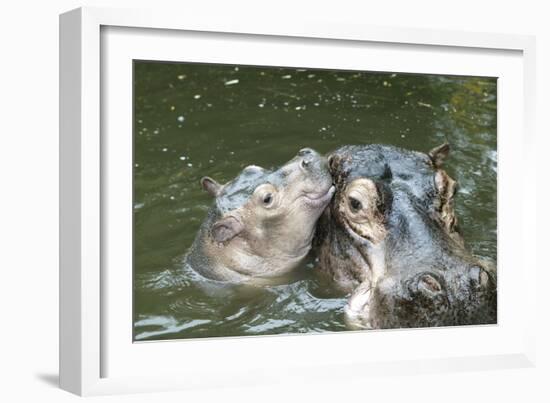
313 163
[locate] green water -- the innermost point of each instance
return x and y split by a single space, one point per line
193 120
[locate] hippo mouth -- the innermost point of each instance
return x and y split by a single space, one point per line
358 309
319 199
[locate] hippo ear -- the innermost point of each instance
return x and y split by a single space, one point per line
211 186
226 229
438 154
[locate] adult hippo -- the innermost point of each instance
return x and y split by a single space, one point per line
390 238
262 223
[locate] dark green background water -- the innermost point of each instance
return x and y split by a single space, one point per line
193 120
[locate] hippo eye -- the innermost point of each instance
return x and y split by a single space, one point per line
268 198
355 204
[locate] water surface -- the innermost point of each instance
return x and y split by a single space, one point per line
192 120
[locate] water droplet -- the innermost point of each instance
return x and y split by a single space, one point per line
286 77
261 105
236 68
197 96
183 158
181 76
172 108
189 164
172 198
164 149
310 75
231 82
181 118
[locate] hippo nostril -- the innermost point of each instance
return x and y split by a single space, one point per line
305 151
479 276
484 278
426 284
430 283
305 163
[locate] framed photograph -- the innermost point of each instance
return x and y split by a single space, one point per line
243 202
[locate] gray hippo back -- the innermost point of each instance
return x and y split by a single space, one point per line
262 223
390 237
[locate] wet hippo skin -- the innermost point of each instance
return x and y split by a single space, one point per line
390 238
262 223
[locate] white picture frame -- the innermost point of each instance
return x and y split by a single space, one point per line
97 357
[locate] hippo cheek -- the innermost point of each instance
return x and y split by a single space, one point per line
319 201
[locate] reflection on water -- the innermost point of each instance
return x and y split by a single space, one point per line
194 120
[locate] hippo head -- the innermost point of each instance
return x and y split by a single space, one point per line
262 222
391 237
368 177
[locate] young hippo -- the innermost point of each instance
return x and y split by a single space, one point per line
390 238
262 223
